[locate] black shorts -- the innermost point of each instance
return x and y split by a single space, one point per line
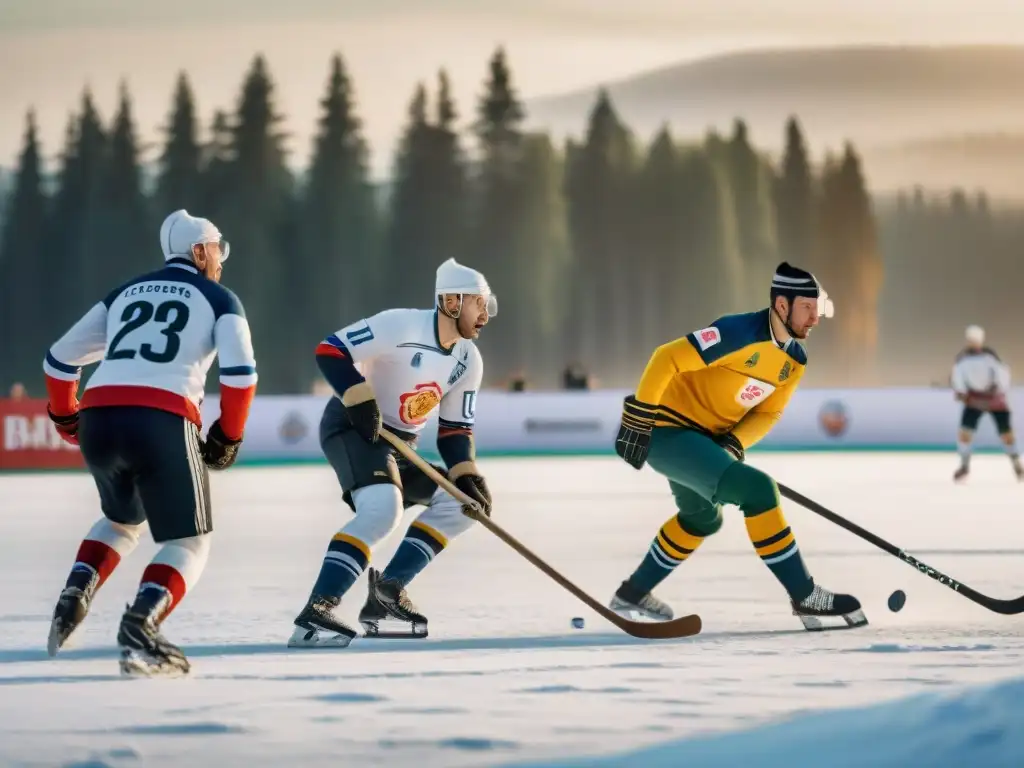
147 465
971 416
359 464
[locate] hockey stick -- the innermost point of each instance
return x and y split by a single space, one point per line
1006 607
684 626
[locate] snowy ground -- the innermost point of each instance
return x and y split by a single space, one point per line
504 679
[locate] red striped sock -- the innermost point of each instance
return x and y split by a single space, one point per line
168 578
100 557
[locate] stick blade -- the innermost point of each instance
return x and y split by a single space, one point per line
684 626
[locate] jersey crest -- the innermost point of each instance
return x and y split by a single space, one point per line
784 373
752 360
415 406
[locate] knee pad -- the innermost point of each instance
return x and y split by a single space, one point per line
748 488
378 512
443 517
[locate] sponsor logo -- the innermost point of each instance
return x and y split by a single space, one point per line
834 418
32 433
415 406
293 428
753 392
707 337
752 360
460 368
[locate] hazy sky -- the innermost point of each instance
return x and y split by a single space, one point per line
50 49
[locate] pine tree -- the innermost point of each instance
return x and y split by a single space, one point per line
794 200
255 217
178 185
500 204
123 217
24 267
338 222
599 186
427 223
215 168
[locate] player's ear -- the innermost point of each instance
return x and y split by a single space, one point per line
199 256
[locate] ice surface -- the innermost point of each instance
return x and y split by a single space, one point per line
504 679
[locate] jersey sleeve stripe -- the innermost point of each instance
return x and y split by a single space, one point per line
329 350
446 425
238 370
334 341
58 370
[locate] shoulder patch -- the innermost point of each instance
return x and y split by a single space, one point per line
707 337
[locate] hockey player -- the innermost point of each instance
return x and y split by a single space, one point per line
413 362
138 427
702 401
981 381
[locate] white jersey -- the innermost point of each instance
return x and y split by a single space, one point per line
155 339
979 371
400 355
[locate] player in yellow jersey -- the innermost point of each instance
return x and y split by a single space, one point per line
702 401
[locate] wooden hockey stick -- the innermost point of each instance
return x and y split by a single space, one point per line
684 626
1006 607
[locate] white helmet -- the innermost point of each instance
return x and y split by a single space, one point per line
181 230
453 277
975 334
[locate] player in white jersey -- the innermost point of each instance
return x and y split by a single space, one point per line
138 424
413 361
981 381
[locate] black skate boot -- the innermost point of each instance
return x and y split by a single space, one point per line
823 610
961 473
316 626
72 606
628 602
144 651
388 604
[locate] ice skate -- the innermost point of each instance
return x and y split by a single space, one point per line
144 651
317 627
388 612
1018 470
72 607
630 604
960 476
822 610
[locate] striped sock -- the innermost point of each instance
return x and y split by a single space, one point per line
776 546
670 547
420 545
345 561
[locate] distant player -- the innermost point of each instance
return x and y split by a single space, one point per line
138 422
701 402
413 361
981 382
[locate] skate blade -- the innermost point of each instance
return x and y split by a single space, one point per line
850 620
318 638
393 630
137 665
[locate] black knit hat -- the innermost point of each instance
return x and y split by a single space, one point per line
791 282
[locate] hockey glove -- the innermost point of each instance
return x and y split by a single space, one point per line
219 451
475 487
363 411
67 426
634 438
731 443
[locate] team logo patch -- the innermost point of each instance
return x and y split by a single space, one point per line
707 337
752 360
460 368
784 373
415 406
753 392
416 360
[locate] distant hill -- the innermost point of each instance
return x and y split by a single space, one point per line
913 108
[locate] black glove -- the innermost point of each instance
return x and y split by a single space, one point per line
730 442
634 438
67 426
219 451
475 487
363 411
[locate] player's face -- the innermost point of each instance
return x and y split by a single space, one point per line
213 267
473 316
804 316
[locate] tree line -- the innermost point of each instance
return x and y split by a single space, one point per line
599 249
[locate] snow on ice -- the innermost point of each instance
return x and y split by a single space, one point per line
504 679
